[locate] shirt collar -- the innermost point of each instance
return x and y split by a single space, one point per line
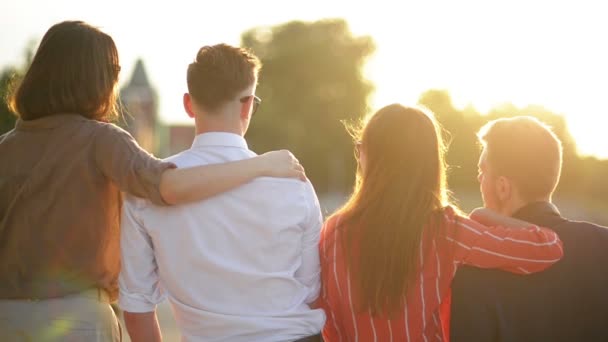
224 139
47 122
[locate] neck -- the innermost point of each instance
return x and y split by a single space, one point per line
220 123
200 129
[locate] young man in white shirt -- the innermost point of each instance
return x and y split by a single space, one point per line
241 266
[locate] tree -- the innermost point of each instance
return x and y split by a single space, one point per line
580 176
7 77
7 119
460 127
310 82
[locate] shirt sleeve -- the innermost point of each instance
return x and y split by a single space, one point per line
139 283
309 273
130 167
517 250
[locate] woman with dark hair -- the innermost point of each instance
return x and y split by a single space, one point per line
63 168
389 254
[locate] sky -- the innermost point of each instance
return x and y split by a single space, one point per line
485 53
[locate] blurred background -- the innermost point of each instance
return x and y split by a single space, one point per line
329 62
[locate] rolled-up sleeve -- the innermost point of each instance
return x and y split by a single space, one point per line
130 167
139 282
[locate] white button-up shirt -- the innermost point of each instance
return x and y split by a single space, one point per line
240 266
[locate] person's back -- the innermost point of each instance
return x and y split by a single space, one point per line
568 302
519 170
240 266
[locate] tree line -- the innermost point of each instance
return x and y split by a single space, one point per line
311 82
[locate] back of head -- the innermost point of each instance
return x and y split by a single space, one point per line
526 151
219 73
75 70
399 192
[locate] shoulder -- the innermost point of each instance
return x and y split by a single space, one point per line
186 159
328 232
289 187
451 223
292 192
309 191
590 226
106 130
331 224
583 232
106 136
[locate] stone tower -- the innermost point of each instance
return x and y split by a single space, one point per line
140 109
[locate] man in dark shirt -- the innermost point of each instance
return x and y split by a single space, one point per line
518 171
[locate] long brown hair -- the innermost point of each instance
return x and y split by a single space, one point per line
75 70
399 193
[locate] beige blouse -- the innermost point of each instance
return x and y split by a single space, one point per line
61 179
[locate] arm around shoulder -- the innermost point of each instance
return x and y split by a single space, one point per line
132 169
139 173
200 182
523 250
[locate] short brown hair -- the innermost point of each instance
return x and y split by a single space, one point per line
75 70
526 151
219 73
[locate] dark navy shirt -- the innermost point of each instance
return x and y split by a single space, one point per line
567 302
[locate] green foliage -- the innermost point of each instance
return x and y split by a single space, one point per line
310 81
581 177
460 127
7 119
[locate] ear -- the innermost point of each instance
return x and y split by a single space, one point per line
504 188
246 109
188 105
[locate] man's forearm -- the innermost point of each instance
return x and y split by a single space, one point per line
143 327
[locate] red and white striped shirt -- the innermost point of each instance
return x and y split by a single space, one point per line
460 241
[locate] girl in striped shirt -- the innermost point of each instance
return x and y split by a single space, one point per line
389 255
